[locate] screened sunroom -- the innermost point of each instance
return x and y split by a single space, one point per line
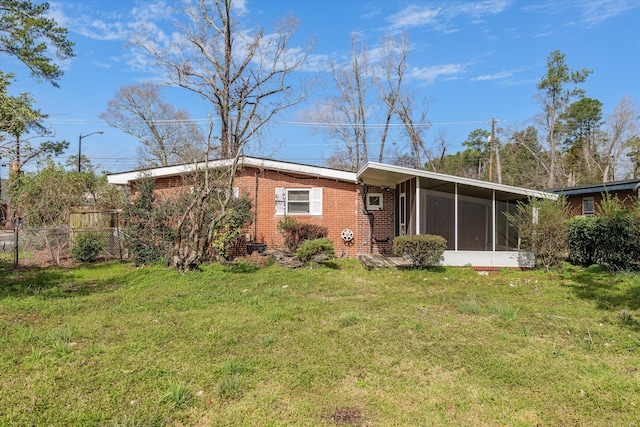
470 214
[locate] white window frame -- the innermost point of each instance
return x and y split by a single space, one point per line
587 212
315 201
374 201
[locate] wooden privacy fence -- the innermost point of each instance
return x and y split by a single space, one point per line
82 217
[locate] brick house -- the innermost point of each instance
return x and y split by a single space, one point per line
365 211
585 199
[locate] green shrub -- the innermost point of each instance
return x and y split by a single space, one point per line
87 247
149 231
544 229
612 238
230 229
295 232
422 249
582 241
310 248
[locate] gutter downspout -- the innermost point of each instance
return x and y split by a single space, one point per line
255 209
369 215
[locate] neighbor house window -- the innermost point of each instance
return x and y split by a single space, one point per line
588 206
298 201
374 201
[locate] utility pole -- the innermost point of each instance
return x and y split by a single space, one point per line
491 141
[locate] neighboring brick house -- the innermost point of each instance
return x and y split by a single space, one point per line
365 211
585 199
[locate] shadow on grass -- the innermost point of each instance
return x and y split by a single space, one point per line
609 291
435 269
329 264
52 282
242 268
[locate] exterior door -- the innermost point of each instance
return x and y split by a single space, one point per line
402 214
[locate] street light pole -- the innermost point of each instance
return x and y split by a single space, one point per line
80 147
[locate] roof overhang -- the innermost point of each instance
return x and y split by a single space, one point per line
607 187
126 178
384 175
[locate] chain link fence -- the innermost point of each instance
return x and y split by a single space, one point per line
53 245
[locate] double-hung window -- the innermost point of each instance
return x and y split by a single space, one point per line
588 206
298 201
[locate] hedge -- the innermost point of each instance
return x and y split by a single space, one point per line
423 249
612 240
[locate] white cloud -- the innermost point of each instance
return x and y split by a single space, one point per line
587 13
109 25
497 76
541 35
101 64
415 16
596 11
240 6
440 18
428 75
371 11
56 13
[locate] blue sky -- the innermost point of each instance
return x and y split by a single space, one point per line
470 61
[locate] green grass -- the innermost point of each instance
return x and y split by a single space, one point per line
109 344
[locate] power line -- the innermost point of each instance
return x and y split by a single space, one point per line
275 122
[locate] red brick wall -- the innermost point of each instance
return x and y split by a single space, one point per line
629 197
338 206
381 240
343 207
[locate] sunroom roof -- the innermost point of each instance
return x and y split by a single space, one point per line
384 175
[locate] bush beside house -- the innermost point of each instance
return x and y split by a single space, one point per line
612 238
423 249
312 248
294 232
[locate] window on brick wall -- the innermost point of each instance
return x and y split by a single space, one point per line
374 201
588 206
298 201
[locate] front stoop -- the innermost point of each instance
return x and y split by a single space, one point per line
374 261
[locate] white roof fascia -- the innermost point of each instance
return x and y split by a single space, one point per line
318 171
456 179
126 178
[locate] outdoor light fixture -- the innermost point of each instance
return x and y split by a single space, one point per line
80 146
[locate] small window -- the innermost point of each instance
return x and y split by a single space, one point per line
374 201
588 206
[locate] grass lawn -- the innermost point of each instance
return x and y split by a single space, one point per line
109 344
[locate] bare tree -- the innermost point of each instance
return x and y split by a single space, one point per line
352 116
622 130
343 117
167 135
415 128
245 75
394 59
